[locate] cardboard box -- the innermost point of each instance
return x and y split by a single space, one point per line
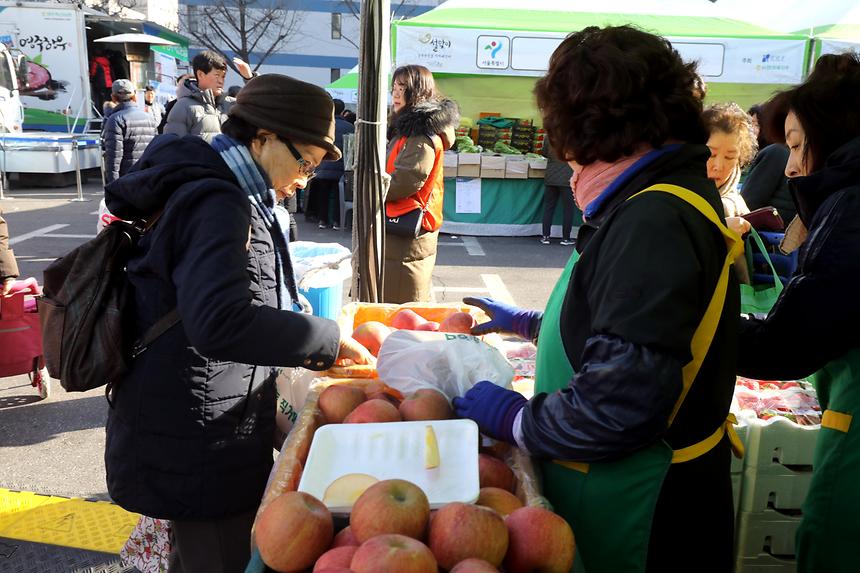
536 173
516 168
537 162
468 170
492 162
448 172
450 160
492 173
469 159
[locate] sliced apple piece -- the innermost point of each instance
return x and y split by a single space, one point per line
343 491
431 449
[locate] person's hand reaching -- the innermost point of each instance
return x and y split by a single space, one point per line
352 352
6 288
738 224
243 68
506 318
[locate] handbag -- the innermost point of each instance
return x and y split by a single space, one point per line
760 298
765 219
409 224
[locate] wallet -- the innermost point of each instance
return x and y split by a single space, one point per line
765 219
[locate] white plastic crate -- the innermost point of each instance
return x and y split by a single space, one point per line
779 442
777 487
737 491
765 564
742 429
766 533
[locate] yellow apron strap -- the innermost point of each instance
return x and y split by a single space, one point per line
706 445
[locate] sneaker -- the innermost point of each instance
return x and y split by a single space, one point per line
335 227
322 225
544 240
567 242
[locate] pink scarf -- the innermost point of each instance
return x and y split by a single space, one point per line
590 181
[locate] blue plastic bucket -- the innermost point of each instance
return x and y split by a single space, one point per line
327 301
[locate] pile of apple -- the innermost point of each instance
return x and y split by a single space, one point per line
372 334
392 530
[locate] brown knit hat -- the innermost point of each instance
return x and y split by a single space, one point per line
291 108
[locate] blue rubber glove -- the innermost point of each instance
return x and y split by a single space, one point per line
494 409
506 318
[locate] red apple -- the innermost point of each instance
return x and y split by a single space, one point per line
338 400
426 404
430 326
337 557
493 472
345 538
407 319
540 541
334 570
461 322
392 553
460 531
293 531
373 411
500 500
390 506
371 335
474 566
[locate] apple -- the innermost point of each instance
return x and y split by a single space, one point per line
379 390
345 538
334 570
338 400
343 491
461 322
461 531
371 335
372 411
426 404
540 540
497 449
474 566
390 506
500 500
293 531
493 472
337 557
407 319
392 553
430 325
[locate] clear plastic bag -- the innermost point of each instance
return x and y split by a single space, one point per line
452 363
320 265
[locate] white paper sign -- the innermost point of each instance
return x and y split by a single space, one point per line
468 195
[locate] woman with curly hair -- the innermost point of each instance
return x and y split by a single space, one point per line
733 145
638 341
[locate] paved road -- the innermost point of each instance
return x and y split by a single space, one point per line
56 446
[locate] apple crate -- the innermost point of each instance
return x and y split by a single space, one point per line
779 442
766 532
287 470
776 487
355 313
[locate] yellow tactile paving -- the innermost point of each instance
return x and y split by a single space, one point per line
69 522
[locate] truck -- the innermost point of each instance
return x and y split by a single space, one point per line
13 74
64 91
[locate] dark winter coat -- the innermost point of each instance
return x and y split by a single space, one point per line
766 184
558 171
334 169
197 112
190 432
126 134
815 318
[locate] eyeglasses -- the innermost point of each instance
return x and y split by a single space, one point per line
306 168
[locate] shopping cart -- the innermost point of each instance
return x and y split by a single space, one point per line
21 336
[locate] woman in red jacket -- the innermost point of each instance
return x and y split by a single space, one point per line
421 129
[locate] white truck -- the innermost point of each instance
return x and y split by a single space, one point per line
12 70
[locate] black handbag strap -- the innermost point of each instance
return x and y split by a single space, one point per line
161 326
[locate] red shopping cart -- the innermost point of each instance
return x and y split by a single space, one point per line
21 336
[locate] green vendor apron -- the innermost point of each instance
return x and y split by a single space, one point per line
610 505
828 538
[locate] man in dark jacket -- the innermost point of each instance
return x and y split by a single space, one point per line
325 185
127 131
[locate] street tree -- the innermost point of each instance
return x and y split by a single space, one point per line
400 10
243 27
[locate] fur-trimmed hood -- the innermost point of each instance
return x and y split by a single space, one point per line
429 118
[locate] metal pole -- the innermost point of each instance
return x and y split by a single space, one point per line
3 172
77 153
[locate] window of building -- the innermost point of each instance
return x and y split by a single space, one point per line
335 26
335 74
192 19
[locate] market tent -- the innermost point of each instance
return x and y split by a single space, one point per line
487 58
345 87
838 36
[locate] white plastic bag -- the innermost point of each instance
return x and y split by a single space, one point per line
452 363
320 265
292 387
105 217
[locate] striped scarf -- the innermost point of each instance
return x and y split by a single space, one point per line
275 217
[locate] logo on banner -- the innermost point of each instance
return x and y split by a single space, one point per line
768 63
435 50
494 52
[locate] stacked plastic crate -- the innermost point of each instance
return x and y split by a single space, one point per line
777 471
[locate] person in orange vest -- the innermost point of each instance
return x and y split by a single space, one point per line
421 128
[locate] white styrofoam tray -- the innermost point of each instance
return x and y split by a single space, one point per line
396 450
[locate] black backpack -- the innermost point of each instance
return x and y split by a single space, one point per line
83 310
